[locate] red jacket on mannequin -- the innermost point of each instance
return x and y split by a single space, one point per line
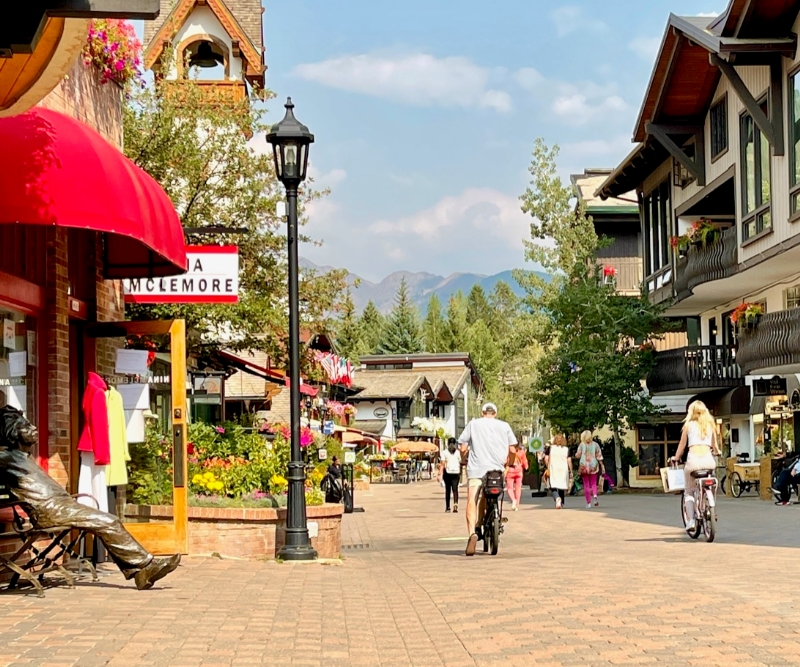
94 437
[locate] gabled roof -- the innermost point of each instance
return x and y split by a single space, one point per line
251 53
390 384
755 18
586 186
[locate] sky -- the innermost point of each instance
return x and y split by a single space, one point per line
425 113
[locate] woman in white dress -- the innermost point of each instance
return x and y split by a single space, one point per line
559 468
700 435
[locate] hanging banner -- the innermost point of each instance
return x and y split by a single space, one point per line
213 277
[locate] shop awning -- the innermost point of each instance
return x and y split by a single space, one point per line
726 402
58 171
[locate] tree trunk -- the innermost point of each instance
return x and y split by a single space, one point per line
618 457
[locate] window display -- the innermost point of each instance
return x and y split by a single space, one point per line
18 363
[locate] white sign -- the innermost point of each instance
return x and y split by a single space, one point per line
213 277
134 396
349 457
322 454
9 334
32 348
131 362
17 364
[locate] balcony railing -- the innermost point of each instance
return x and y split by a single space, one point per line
714 262
695 367
773 342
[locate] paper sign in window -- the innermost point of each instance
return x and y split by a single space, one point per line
131 362
17 364
134 396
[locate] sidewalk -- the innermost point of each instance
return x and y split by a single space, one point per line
571 587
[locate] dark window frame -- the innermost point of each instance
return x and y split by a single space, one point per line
719 140
658 227
668 445
762 210
793 80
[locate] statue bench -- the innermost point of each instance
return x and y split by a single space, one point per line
41 550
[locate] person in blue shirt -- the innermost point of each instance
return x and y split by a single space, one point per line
785 480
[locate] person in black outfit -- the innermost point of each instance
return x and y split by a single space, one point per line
332 484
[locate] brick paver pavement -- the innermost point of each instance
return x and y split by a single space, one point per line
574 587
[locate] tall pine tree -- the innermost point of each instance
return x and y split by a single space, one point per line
371 325
478 308
434 328
402 333
348 332
457 323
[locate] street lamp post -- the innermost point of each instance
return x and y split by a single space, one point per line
290 140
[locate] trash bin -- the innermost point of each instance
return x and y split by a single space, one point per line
348 488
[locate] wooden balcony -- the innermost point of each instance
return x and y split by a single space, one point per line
772 345
701 265
217 93
629 273
695 368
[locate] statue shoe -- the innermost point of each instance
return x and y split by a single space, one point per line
156 569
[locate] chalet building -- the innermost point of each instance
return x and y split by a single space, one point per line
396 389
717 154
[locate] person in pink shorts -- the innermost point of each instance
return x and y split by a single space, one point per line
514 474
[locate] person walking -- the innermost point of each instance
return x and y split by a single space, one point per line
559 468
590 465
700 435
450 472
514 474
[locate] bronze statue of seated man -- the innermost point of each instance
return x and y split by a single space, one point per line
50 506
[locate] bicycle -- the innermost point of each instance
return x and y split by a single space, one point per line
705 506
493 515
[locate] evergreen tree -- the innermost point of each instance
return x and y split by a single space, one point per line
348 331
402 333
478 308
485 354
371 325
434 328
456 338
505 306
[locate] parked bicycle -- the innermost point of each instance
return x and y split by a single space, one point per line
788 463
493 516
705 506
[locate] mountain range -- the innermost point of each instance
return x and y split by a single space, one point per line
421 286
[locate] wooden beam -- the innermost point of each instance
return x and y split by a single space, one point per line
695 167
743 93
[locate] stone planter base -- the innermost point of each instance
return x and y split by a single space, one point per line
245 532
361 484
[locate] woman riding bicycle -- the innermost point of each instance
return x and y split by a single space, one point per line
700 434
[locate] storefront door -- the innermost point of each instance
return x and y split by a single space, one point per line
157 484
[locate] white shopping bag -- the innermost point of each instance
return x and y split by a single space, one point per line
675 479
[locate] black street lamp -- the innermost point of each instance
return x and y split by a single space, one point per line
290 140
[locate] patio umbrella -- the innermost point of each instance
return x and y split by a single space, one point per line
353 438
409 447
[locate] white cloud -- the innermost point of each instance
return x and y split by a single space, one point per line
476 213
646 47
568 19
572 103
417 78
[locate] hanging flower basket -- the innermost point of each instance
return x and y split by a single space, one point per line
747 316
701 234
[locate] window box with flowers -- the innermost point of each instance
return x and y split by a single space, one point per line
746 316
701 234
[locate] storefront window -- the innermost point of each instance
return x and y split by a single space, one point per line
655 444
18 363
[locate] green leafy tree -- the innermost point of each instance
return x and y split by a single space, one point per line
371 323
349 339
402 334
505 306
478 308
434 328
201 155
456 336
485 354
592 365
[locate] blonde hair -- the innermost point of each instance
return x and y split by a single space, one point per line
586 437
698 412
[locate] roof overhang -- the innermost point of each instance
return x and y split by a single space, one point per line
637 166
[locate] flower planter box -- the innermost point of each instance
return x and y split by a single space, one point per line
247 532
361 484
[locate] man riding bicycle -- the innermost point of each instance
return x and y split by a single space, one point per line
490 442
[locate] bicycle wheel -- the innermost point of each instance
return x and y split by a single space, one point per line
709 519
722 484
495 533
736 485
695 532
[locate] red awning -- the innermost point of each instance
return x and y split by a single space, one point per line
305 389
55 170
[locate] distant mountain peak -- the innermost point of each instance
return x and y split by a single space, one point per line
421 285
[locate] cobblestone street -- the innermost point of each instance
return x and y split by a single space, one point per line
621 584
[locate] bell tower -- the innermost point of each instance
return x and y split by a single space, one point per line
217 43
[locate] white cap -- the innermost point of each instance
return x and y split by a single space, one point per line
489 407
